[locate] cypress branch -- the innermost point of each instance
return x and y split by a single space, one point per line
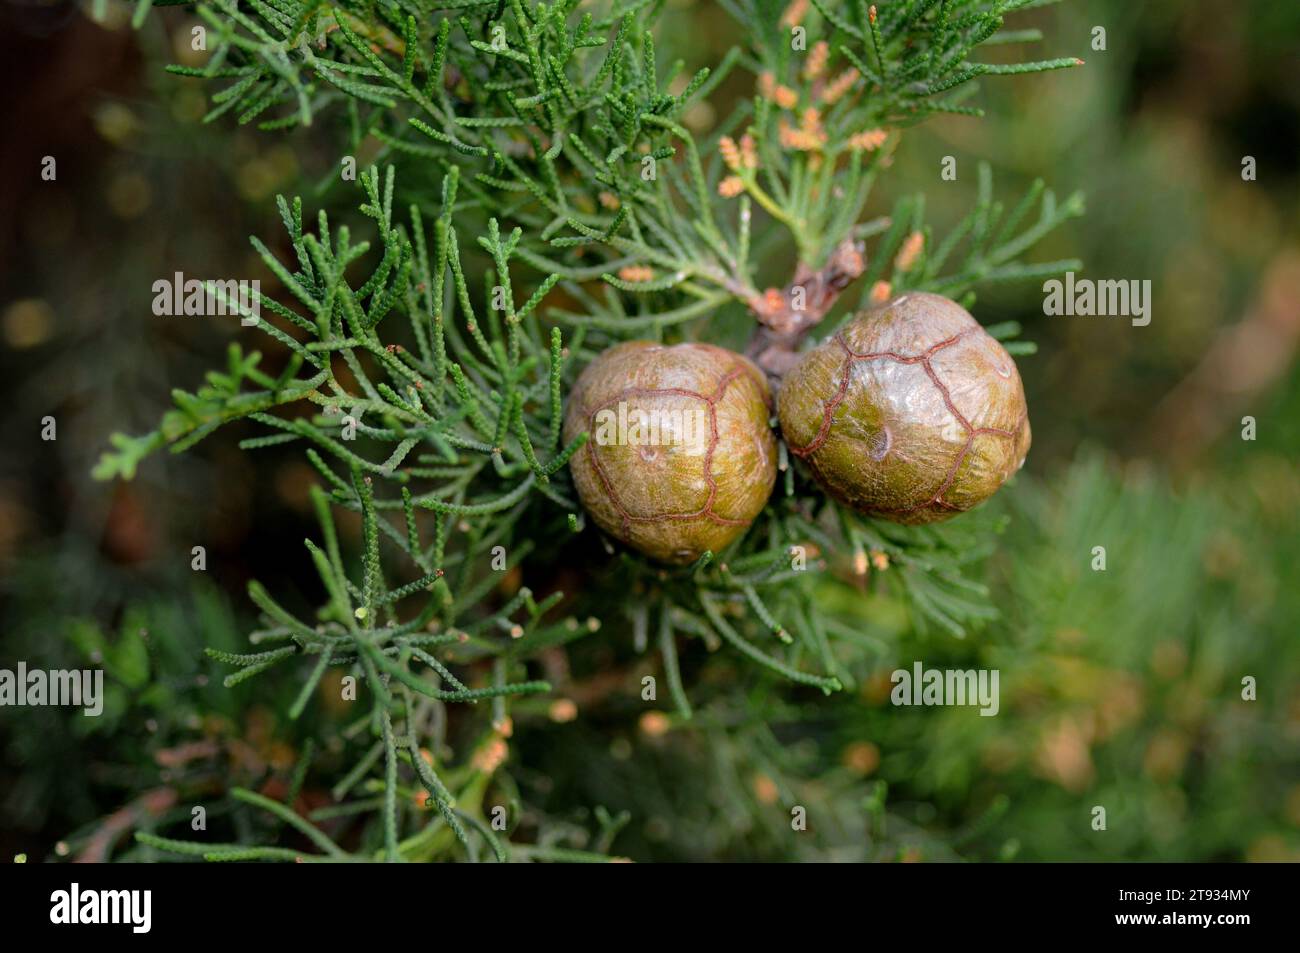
573 178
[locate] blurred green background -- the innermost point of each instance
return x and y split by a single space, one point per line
1120 689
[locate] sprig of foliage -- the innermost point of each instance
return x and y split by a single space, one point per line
987 244
569 125
492 443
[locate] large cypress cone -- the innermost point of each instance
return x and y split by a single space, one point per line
911 412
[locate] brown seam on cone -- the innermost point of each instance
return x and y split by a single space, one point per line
705 512
853 357
924 358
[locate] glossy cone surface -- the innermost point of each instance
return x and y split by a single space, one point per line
712 468
911 412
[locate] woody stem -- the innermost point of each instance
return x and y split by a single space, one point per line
786 316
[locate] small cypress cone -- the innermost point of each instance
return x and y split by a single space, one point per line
911 412
680 457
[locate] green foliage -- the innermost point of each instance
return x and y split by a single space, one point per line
156 698
1120 688
569 125
990 240
449 370
1126 684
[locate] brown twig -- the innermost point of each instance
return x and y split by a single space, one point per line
786 316
151 804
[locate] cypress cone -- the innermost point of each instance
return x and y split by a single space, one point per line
911 412
680 457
